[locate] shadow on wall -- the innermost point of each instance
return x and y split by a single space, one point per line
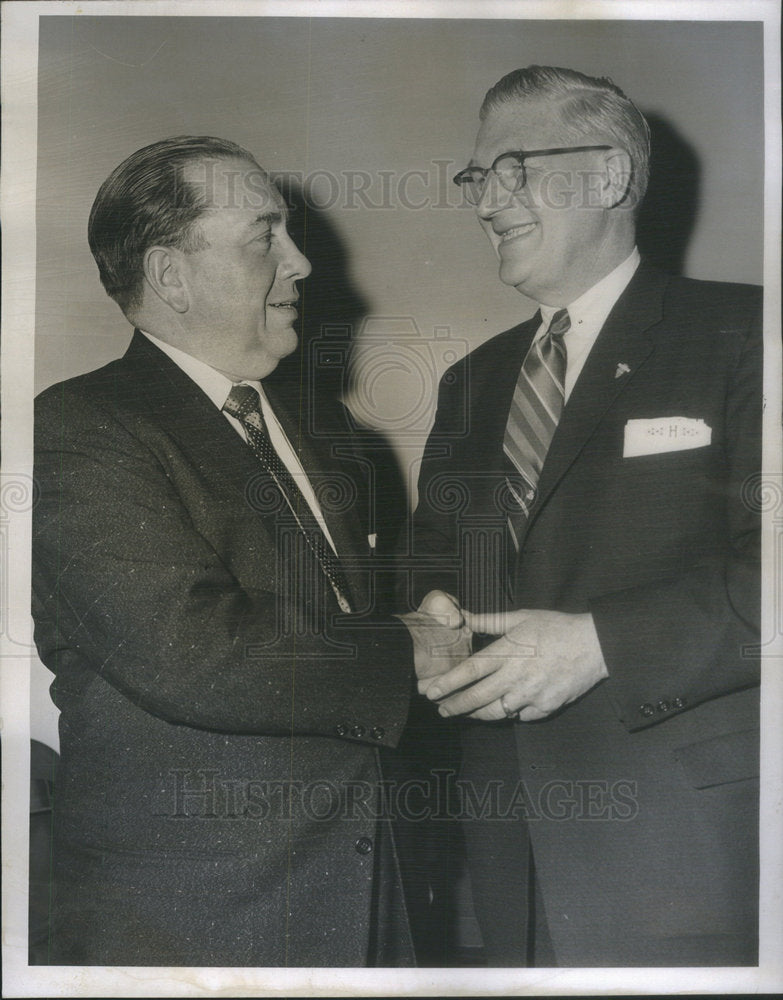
668 213
332 311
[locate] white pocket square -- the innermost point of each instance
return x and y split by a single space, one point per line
662 434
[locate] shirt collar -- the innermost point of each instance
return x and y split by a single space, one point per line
213 383
593 306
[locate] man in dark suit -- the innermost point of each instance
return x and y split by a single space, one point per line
202 593
587 494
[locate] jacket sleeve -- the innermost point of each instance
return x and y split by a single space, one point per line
671 645
129 592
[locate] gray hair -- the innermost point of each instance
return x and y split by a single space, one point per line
586 106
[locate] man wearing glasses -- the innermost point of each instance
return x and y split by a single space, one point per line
605 551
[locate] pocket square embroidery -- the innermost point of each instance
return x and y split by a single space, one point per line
659 435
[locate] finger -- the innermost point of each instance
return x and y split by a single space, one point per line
531 714
473 698
495 622
441 640
495 713
490 713
443 607
432 632
473 669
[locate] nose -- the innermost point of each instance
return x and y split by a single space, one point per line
494 197
293 263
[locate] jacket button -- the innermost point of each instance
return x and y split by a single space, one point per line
341 730
358 732
647 710
378 732
678 703
663 706
363 845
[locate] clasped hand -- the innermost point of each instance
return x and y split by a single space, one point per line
441 637
541 661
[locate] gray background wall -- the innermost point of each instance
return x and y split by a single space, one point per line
326 97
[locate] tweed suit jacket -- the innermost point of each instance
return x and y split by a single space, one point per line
220 721
639 798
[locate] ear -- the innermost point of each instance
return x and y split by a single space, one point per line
617 180
163 271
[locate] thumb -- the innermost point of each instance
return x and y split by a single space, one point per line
443 607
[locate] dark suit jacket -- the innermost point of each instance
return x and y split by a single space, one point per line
220 719
640 795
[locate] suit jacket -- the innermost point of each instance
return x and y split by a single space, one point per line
640 796
217 799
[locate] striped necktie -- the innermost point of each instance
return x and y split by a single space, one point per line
243 403
534 415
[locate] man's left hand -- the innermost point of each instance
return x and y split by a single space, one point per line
543 660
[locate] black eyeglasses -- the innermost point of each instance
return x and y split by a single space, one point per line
509 169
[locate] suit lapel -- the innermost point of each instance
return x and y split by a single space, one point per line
623 340
184 411
325 473
226 464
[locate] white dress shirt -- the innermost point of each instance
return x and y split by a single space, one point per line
588 314
217 387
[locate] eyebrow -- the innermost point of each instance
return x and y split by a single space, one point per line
267 219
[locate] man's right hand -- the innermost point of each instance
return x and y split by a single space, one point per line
441 638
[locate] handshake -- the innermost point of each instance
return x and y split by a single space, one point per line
541 661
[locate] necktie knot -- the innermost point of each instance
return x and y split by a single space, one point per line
242 401
560 325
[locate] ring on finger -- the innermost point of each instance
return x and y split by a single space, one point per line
510 713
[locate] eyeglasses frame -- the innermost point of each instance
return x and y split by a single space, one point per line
465 176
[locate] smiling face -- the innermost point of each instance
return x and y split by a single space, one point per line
241 289
561 233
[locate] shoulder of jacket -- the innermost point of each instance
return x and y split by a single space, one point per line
715 294
491 351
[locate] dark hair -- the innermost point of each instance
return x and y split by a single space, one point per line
586 106
146 201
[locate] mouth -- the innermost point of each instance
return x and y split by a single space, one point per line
516 231
287 304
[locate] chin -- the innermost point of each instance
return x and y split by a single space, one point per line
289 343
511 274
280 342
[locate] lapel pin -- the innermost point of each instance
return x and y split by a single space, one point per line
622 369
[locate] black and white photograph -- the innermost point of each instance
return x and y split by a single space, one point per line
392 498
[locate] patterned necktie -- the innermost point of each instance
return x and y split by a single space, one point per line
534 415
243 403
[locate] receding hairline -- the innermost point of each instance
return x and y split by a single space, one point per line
268 201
